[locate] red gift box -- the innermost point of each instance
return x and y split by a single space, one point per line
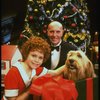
88 89
53 88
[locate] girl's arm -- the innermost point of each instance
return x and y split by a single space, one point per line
57 71
23 96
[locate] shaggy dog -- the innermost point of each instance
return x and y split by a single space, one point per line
77 66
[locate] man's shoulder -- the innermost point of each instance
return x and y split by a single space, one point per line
68 45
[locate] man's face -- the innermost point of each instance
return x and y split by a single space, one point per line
55 33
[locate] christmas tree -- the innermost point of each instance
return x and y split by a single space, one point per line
73 14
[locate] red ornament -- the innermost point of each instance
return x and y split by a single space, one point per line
65 17
30 17
44 31
45 26
74 9
21 36
73 25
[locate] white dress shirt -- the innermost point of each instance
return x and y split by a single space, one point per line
55 56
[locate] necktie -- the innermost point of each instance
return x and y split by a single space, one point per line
57 48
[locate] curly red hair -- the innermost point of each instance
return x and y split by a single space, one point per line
36 43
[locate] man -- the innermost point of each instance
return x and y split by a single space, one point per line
59 48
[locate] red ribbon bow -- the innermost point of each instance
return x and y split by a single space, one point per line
54 88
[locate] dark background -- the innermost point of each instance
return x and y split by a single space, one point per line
18 9
93 6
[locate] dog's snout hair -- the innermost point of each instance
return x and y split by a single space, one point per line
78 66
71 60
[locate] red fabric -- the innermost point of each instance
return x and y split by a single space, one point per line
54 88
13 80
89 89
39 70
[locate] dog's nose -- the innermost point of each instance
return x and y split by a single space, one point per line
71 60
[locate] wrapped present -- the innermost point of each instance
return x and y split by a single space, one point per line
47 87
54 88
88 89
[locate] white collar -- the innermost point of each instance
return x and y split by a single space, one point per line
24 76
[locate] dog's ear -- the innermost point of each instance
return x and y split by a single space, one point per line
89 70
69 53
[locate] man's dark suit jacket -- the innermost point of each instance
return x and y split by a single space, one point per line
65 48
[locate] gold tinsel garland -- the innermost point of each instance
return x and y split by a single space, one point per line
76 38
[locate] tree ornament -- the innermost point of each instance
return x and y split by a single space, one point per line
30 9
44 31
75 40
65 17
21 36
35 10
82 23
31 18
31 0
48 12
74 9
73 25
59 5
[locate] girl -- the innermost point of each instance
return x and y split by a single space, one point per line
35 51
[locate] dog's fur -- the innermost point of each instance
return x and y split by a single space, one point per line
77 66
